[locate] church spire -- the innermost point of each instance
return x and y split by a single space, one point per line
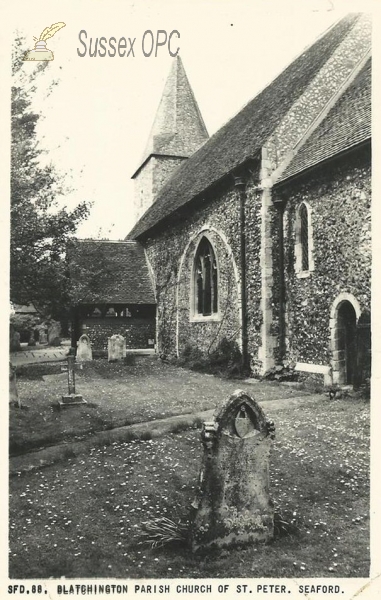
177 132
178 128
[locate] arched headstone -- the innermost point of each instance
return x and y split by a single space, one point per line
233 504
116 348
84 352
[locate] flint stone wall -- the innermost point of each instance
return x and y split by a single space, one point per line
340 199
136 331
171 253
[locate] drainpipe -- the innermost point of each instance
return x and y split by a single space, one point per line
240 185
282 289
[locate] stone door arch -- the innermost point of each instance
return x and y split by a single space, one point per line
345 314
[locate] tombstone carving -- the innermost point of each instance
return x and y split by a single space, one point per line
84 351
116 348
233 505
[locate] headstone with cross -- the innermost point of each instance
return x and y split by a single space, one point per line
233 504
72 397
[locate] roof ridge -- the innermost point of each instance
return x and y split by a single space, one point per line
322 116
246 132
307 47
348 132
281 71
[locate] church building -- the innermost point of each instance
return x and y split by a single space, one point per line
261 234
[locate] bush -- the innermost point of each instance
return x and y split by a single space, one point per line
225 360
25 325
130 359
281 373
193 358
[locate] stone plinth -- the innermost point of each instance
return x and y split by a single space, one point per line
233 505
71 398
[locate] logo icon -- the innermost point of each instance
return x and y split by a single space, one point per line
41 52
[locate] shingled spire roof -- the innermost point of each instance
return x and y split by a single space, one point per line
178 128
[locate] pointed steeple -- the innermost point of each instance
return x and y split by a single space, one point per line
178 128
177 132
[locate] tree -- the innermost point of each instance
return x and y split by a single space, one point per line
40 225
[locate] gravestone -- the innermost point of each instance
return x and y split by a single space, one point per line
32 339
42 336
233 505
13 394
72 397
116 348
84 352
54 332
14 340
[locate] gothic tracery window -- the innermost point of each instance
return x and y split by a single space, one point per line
206 280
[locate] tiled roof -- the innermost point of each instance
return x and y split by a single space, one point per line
24 308
178 128
244 135
347 124
123 272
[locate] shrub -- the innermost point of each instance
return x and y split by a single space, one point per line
281 373
163 532
25 325
193 358
225 360
130 359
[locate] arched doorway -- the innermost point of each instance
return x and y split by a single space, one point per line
347 343
364 353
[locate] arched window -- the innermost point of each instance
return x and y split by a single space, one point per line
206 280
303 216
304 241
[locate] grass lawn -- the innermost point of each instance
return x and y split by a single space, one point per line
83 518
117 395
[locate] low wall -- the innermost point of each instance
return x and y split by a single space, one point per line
136 331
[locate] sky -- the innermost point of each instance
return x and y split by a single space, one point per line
96 121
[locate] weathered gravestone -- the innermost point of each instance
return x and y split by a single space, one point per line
84 351
42 336
116 348
54 332
14 340
13 394
233 505
72 397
